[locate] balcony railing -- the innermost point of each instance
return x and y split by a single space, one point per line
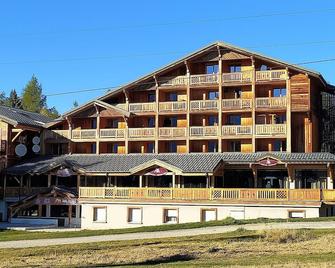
200 105
122 106
205 194
173 81
236 130
57 134
238 77
271 129
141 133
172 106
172 132
236 104
273 102
204 79
271 75
22 191
208 131
142 107
83 134
112 133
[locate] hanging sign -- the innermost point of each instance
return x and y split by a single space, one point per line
158 172
268 162
55 201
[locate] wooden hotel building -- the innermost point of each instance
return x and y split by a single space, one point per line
222 132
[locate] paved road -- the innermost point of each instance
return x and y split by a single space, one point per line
165 234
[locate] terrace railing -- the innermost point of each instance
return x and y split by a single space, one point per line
271 75
172 132
207 131
173 81
141 133
236 104
200 105
236 130
234 194
84 134
273 102
142 107
172 106
238 77
204 79
57 134
271 129
112 133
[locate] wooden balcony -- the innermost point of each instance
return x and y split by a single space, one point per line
22 191
116 133
204 194
84 134
57 134
236 130
142 107
236 104
271 75
123 106
271 103
172 132
202 105
177 81
204 79
141 133
271 129
237 77
209 131
173 106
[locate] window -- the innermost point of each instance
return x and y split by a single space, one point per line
280 119
100 214
279 92
135 215
151 147
279 146
212 69
212 146
208 215
151 97
264 67
213 95
237 93
235 146
234 120
170 216
151 122
115 148
115 123
235 68
172 147
212 120
173 97
170 122
93 148
94 123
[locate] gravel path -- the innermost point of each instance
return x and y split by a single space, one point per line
165 234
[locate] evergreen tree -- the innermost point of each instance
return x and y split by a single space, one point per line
75 104
3 99
14 100
50 112
32 98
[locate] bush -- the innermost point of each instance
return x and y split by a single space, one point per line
286 236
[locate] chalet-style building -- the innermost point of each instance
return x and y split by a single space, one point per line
222 132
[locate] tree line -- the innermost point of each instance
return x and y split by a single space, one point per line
31 99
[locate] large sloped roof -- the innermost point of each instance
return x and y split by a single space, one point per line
219 45
16 116
187 163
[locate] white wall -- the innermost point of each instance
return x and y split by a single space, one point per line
152 214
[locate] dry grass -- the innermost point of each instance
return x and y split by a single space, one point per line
242 248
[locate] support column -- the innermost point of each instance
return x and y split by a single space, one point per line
220 104
70 214
78 182
288 114
188 92
173 180
291 177
146 181
48 211
254 173
330 177
140 181
49 180
253 110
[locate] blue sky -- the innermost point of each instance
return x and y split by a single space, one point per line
73 45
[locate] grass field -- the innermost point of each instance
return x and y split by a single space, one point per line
8 235
275 248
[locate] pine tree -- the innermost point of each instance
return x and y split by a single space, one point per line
32 98
3 99
75 104
14 100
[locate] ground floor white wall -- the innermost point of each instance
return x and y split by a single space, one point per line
117 214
